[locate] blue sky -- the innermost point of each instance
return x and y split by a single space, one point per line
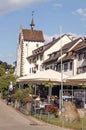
49 15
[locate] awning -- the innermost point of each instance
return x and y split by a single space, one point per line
44 76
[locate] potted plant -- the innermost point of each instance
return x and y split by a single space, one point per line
52 110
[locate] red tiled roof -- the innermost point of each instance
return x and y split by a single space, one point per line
65 48
47 46
80 46
33 35
68 57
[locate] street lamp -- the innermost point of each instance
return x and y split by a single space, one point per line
61 96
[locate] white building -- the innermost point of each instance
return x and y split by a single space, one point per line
28 41
33 55
41 54
69 62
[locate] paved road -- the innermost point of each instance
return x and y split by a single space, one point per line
10 119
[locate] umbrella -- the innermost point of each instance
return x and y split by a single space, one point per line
44 76
50 76
79 79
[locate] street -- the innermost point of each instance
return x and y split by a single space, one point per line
11 119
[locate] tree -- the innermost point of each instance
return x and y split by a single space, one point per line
2 70
6 76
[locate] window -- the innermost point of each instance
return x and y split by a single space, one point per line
71 65
51 67
36 66
65 66
84 68
59 68
80 56
84 55
55 67
30 61
41 57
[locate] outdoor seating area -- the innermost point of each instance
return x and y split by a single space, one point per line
51 107
47 109
41 104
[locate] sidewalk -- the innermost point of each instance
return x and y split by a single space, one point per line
34 121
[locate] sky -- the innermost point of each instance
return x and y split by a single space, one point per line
49 16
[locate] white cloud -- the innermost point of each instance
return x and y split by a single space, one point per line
9 5
81 12
48 38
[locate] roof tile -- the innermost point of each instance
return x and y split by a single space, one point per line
33 35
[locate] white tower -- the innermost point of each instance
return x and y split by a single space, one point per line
28 41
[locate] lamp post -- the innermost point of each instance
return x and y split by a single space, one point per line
61 96
61 91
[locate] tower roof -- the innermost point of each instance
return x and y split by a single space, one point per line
32 22
33 35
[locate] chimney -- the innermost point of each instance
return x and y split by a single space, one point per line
54 39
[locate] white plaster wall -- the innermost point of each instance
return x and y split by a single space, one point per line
56 46
18 60
28 48
68 72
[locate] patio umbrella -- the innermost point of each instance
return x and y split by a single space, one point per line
50 76
44 76
79 79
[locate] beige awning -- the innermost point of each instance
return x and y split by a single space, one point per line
79 79
44 76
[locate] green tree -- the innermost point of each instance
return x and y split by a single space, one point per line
2 70
6 76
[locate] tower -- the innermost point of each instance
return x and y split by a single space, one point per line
28 40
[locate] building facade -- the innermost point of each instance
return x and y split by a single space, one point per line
33 55
28 41
41 54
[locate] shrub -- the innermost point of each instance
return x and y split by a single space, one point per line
22 95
